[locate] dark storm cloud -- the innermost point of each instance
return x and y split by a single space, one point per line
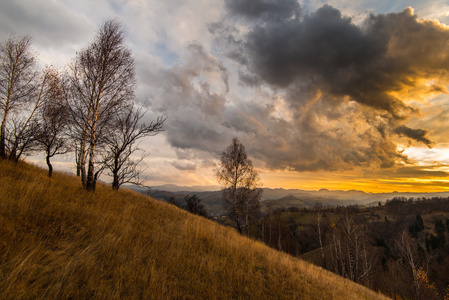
415 134
278 9
326 51
321 43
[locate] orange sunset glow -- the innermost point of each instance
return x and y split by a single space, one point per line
328 95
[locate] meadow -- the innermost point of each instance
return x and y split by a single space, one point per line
59 241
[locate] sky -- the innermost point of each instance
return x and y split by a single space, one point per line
323 94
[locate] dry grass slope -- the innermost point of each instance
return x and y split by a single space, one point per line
58 241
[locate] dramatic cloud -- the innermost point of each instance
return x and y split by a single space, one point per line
369 64
341 91
306 88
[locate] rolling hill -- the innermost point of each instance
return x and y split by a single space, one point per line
58 241
282 198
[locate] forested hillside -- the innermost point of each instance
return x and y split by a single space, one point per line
400 248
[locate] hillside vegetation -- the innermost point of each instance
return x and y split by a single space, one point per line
401 247
59 241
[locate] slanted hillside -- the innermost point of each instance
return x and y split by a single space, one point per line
58 241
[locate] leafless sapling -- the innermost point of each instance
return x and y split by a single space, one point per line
122 144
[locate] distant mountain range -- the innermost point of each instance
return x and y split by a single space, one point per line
195 188
279 198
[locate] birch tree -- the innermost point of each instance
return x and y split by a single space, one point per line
407 247
240 181
102 81
25 134
17 87
319 228
350 251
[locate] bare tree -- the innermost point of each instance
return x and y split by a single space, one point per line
239 180
121 145
407 247
350 251
194 205
20 135
52 124
318 226
25 137
17 86
102 80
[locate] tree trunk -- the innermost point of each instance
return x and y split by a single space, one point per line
115 184
263 231
269 231
81 166
50 167
13 154
3 127
77 160
320 238
82 162
3 136
239 227
91 175
90 180
279 234
115 181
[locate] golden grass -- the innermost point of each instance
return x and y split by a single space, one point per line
58 241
